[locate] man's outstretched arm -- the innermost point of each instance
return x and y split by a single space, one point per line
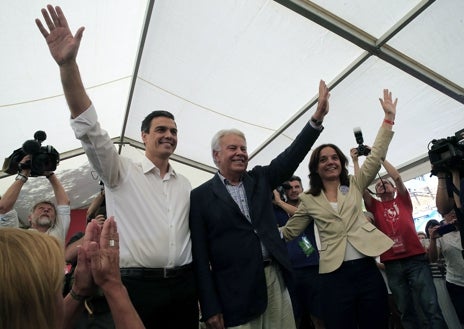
64 48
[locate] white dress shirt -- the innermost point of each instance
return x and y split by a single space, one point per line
151 211
63 220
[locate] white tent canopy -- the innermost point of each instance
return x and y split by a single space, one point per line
249 64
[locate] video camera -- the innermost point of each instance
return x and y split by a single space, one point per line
362 149
447 153
43 158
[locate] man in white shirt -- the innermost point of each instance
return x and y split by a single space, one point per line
149 200
46 217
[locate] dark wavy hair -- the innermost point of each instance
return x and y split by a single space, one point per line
146 123
315 181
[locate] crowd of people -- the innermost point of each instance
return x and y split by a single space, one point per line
248 249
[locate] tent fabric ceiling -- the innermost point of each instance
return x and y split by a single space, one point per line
251 64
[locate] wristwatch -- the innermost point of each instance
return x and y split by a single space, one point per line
21 177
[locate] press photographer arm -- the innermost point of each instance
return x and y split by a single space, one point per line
444 201
395 175
457 185
63 215
288 208
446 156
60 194
11 195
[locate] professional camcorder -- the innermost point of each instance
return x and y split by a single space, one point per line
447 153
362 149
43 158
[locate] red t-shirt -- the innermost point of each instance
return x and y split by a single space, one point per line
394 218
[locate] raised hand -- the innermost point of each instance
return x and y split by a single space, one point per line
104 256
84 283
322 102
388 105
62 44
354 153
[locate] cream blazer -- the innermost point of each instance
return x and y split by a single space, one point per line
348 222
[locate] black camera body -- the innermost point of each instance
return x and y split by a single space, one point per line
446 228
447 153
362 149
43 158
281 189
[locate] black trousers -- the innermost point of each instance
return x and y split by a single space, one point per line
355 296
167 303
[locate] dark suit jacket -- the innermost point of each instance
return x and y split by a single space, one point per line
226 247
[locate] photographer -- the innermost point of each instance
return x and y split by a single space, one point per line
304 256
46 217
406 264
449 245
446 156
447 159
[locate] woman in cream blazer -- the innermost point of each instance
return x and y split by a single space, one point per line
355 294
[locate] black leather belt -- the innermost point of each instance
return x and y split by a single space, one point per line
156 273
267 262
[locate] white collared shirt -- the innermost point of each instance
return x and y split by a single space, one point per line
151 211
63 220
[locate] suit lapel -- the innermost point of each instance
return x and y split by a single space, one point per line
324 203
249 184
220 190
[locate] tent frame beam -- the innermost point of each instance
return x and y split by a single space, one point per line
378 47
372 47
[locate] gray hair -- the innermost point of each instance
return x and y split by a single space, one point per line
215 142
49 202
